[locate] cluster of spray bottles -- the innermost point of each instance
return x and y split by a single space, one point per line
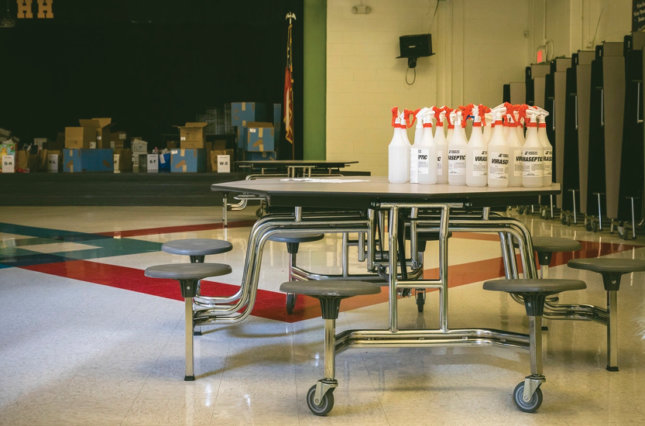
498 153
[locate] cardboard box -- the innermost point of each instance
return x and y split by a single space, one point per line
53 161
245 112
41 143
88 160
260 156
241 137
149 163
164 162
7 148
213 158
260 137
117 139
187 161
91 130
223 164
139 146
21 164
191 135
8 163
117 144
122 160
103 131
277 118
79 137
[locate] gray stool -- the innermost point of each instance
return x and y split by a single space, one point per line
293 240
320 397
196 248
188 275
546 246
611 271
527 394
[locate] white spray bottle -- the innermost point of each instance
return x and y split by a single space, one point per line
398 170
532 153
547 161
499 153
414 150
427 155
442 146
515 161
457 147
477 153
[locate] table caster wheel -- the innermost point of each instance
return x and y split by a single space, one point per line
566 220
621 232
421 300
532 405
326 403
291 302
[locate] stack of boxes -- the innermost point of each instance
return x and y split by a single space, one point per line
257 128
191 155
87 147
122 155
95 146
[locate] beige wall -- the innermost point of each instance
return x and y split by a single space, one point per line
480 45
478 48
573 25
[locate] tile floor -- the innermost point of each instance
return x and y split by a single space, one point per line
85 339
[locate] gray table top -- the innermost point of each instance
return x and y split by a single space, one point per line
285 163
361 191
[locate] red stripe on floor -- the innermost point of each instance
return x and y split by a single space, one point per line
271 305
172 229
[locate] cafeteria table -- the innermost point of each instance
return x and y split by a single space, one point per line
358 205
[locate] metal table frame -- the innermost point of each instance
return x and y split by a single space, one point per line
443 216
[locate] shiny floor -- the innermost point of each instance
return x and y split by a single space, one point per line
85 339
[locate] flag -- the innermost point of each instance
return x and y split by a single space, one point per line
288 89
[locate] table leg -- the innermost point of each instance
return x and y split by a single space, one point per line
190 360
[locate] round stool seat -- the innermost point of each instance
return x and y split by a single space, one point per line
295 237
554 245
330 288
624 266
545 286
197 246
187 271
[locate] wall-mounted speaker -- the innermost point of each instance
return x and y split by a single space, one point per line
415 46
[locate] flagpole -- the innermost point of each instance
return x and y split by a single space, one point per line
288 89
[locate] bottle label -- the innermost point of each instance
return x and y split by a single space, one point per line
423 158
439 164
532 164
498 165
456 162
518 169
547 163
480 163
414 166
